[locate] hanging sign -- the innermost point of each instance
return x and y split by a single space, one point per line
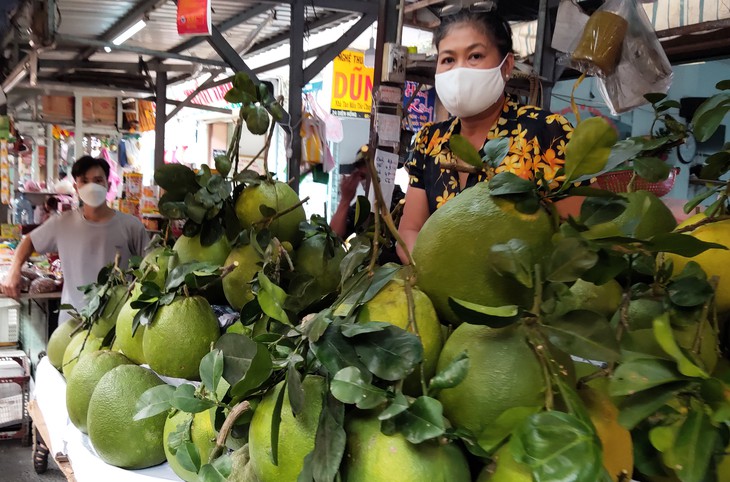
4 173
193 17
386 164
423 107
352 86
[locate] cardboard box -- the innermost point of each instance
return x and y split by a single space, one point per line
100 110
58 108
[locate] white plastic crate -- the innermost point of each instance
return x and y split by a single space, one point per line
9 320
11 410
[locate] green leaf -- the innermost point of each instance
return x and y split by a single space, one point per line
368 287
222 165
723 85
716 394
693 449
208 473
295 390
652 169
507 183
558 447
495 151
234 96
570 259
354 258
495 433
621 152
179 273
452 374
708 116
700 198
272 299
181 434
275 423
354 329
188 457
665 337
476 314
350 386
153 401
690 291
211 370
510 259
258 372
422 421
362 211
335 352
330 441
173 210
184 399
211 232
681 244
398 405
224 465
238 354
243 82
636 408
598 210
391 354
716 165
176 178
462 148
258 120
585 334
637 375
655 98
589 148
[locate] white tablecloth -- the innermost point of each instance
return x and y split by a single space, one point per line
50 395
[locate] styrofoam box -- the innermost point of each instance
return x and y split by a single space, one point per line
8 369
9 320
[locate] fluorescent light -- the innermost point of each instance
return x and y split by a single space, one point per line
129 32
14 80
107 49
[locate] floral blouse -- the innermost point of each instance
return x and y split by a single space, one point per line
537 143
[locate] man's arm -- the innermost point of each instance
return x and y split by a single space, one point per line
348 189
11 284
415 214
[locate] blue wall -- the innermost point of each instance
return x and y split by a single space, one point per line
690 80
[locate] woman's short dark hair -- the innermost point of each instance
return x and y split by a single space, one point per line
83 164
492 24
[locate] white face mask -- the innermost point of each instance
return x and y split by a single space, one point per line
92 194
466 92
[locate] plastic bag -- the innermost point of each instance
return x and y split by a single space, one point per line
598 49
644 67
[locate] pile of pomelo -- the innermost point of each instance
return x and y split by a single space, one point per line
506 382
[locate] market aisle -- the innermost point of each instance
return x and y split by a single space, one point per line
17 464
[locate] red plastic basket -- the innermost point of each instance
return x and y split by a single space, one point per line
617 181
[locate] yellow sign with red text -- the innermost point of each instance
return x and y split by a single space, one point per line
352 86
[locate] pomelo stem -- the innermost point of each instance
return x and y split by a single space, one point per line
268 221
538 347
412 322
702 222
220 441
699 335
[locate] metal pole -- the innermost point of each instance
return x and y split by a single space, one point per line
161 94
296 84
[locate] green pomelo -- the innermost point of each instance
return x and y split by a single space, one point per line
645 216
158 261
117 438
296 434
179 336
59 340
190 249
372 456
108 318
131 345
82 342
80 385
604 299
453 249
202 435
312 258
391 305
279 197
237 285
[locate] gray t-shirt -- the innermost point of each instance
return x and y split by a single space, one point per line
85 247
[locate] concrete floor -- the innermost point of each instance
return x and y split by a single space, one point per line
16 465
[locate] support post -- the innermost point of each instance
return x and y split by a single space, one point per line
79 125
545 55
161 94
296 84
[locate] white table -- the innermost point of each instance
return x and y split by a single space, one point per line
65 439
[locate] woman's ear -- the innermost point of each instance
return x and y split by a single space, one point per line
509 65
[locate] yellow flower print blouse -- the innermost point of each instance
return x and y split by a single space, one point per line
537 144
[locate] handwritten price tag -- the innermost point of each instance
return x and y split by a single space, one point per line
386 163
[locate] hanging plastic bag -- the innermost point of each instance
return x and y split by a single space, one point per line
644 67
315 149
598 49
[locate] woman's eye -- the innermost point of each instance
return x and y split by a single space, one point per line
476 56
446 60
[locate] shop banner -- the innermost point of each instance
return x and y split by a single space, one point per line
4 173
352 86
193 17
423 107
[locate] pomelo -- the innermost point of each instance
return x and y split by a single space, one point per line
82 342
312 258
452 250
59 340
179 336
296 434
131 345
117 438
279 197
202 435
237 285
80 385
108 318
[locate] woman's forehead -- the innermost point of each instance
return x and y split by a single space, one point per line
464 34
94 172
